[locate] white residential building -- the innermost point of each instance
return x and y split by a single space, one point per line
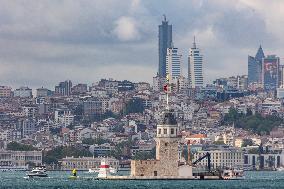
29 111
64 117
264 161
102 149
85 163
19 158
231 157
29 127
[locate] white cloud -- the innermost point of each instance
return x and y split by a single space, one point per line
126 29
86 39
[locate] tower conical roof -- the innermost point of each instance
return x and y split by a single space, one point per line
259 55
169 118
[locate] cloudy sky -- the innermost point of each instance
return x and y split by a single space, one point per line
44 42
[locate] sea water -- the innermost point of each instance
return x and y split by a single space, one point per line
60 180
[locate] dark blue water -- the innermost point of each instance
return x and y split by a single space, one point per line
59 180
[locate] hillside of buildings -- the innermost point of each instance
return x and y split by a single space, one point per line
118 119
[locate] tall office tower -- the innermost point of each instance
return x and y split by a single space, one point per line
270 72
281 76
173 63
165 41
195 67
255 67
64 88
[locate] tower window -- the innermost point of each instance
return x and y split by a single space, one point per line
166 144
165 131
172 131
159 131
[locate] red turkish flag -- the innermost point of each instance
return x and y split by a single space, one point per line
166 88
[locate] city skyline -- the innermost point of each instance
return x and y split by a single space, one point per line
75 40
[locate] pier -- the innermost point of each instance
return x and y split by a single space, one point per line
199 177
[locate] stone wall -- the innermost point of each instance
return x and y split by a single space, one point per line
166 163
144 167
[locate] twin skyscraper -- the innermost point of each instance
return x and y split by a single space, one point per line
170 59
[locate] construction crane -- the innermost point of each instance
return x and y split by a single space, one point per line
208 156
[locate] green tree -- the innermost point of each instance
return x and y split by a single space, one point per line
123 149
91 141
60 152
219 142
142 156
232 116
249 112
78 112
118 128
88 141
134 105
109 114
54 131
255 123
253 151
247 142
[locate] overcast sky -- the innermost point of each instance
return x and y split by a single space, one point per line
44 42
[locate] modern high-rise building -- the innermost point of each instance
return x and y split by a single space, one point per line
255 67
173 63
64 88
165 41
270 72
195 67
281 76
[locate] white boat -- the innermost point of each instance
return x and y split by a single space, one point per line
96 170
93 170
39 171
232 174
280 169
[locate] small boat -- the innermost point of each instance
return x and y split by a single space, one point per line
39 171
74 174
72 177
280 169
93 170
232 174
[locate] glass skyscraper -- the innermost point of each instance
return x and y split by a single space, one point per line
165 41
195 67
255 67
